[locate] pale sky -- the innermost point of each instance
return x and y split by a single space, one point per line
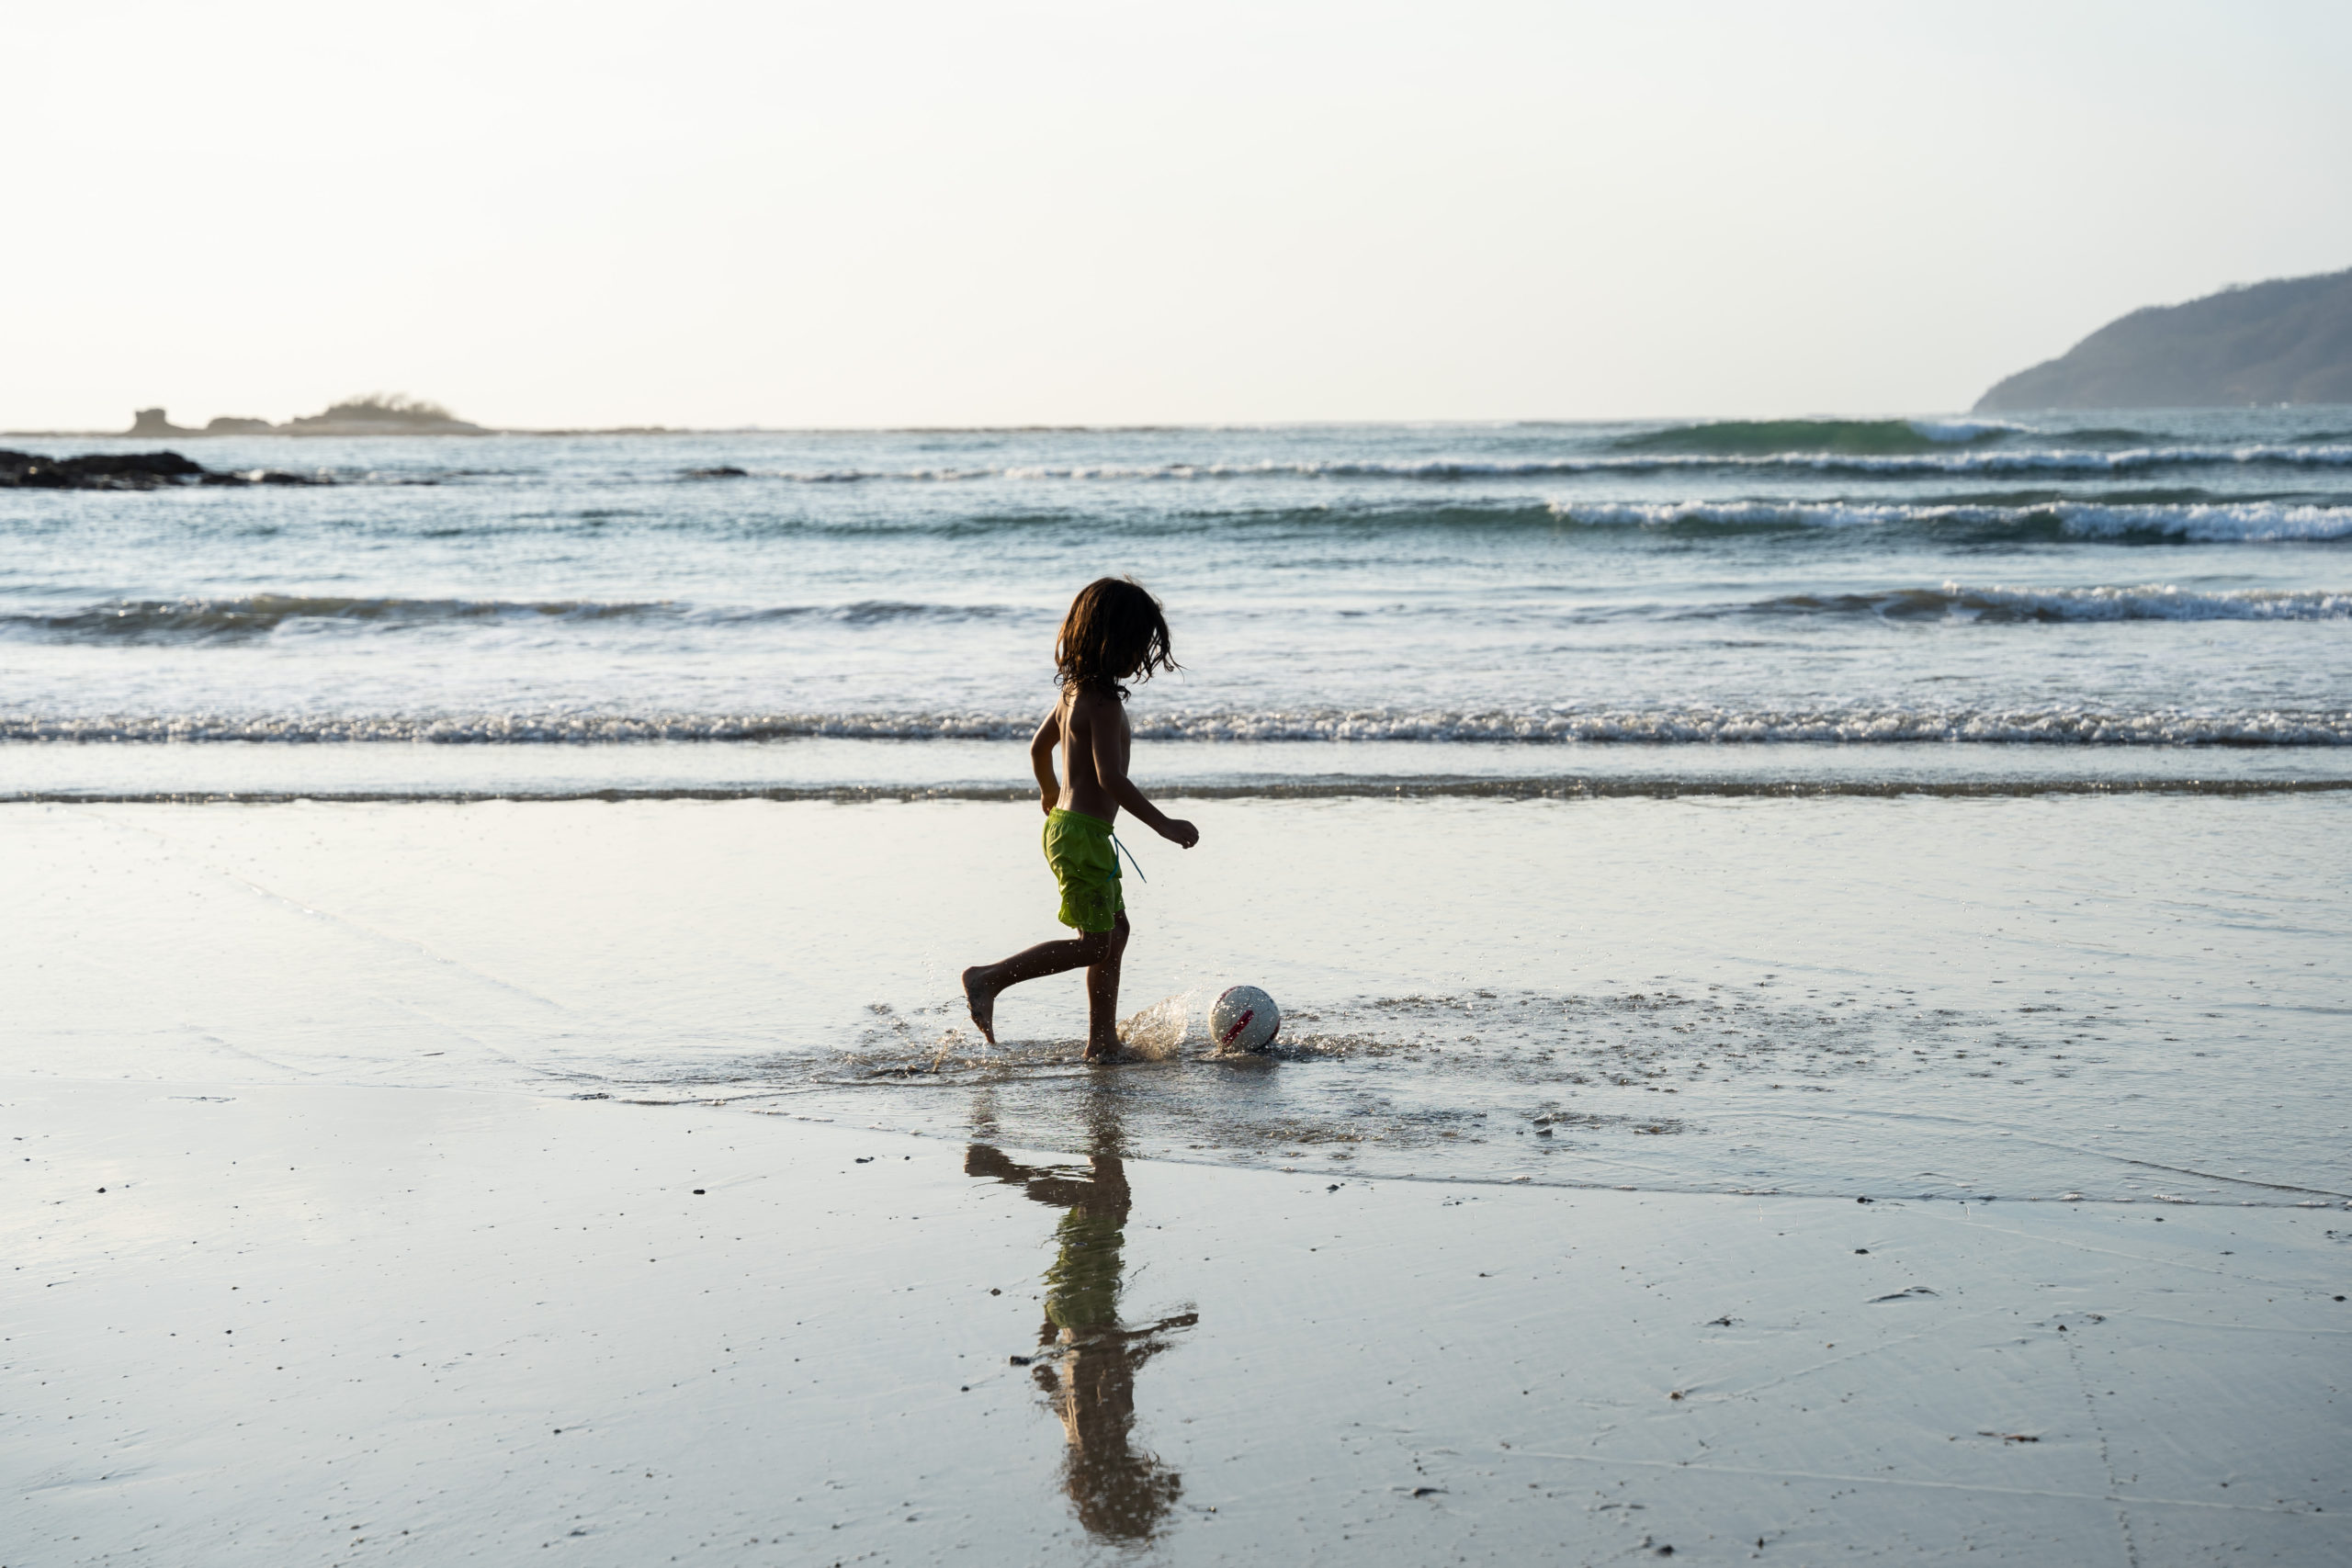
972 213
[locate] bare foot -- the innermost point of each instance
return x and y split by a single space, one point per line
1101 1050
982 1003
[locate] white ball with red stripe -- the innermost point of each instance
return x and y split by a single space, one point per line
1245 1019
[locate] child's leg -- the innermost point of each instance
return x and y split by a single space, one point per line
1102 996
982 982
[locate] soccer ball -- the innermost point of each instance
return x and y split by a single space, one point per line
1244 1019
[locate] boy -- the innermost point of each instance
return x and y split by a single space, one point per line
1114 632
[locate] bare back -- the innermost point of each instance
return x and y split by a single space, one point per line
1092 727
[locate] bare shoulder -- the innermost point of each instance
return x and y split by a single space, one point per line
1090 708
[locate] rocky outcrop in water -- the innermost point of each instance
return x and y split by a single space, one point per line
382 413
2288 341
128 470
375 413
152 424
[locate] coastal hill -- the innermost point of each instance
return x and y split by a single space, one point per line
372 414
2288 341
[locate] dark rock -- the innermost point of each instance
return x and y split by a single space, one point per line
23 470
152 464
127 470
724 471
95 470
229 426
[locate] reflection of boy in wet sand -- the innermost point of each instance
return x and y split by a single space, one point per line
1114 632
1119 1493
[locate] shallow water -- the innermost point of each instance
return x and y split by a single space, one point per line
2013 997
2054 997
821 769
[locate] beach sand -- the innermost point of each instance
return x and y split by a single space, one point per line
399 1113
346 1325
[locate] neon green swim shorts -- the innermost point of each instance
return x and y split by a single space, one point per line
1086 864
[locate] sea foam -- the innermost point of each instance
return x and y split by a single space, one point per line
1969 460
2151 601
1672 724
2257 522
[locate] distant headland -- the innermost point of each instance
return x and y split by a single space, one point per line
2288 341
371 413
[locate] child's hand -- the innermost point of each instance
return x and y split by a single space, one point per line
1180 832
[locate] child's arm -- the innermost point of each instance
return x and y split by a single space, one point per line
1041 758
1112 769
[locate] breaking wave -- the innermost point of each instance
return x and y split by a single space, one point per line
2243 523
1848 437
259 615
1859 724
1932 456
2149 603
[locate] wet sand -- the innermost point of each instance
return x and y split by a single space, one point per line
339 1324
2011 998
400 1112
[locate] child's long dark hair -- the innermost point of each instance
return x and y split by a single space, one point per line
1115 631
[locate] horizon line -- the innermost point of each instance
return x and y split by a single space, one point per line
1046 428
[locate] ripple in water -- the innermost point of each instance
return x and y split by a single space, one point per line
1719 1089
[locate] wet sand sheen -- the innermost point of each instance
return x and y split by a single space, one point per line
400 1112
2018 998
332 1324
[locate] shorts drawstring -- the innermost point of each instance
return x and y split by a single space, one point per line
1131 858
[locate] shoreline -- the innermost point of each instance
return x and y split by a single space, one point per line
92 772
1345 789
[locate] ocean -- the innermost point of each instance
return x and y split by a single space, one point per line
2078 581
686 768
